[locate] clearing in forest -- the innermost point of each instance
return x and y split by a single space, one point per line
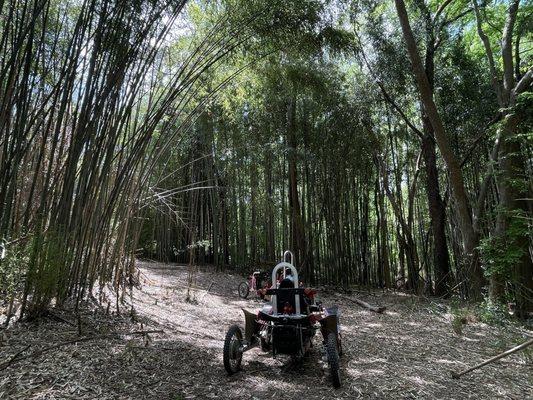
407 352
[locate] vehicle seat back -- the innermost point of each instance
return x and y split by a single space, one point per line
286 295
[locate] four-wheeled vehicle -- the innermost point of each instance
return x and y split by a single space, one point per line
287 324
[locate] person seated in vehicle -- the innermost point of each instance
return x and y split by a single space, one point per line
306 298
277 284
288 281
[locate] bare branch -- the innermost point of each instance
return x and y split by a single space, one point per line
523 84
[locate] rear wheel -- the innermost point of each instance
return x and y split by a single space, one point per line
265 346
333 359
232 353
244 290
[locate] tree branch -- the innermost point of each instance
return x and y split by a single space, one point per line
385 94
399 110
523 84
507 49
441 9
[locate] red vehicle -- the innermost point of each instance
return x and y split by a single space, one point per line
287 325
256 282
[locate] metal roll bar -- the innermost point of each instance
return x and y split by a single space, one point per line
290 254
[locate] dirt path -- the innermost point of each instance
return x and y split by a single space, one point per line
408 352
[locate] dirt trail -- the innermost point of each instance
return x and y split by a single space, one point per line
407 352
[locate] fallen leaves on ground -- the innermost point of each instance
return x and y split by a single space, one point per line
408 352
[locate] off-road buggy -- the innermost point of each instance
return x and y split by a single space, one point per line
287 325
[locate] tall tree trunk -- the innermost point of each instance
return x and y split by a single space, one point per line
270 245
436 207
253 201
297 228
462 206
384 238
512 231
437 213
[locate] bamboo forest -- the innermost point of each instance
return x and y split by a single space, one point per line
251 199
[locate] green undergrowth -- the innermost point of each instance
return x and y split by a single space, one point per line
12 270
488 312
499 318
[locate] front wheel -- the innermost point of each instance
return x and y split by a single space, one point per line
244 290
232 350
333 359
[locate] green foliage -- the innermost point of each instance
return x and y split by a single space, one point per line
524 107
49 276
502 252
493 313
463 92
488 312
13 268
525 135
457 323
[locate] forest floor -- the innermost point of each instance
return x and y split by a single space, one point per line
408 352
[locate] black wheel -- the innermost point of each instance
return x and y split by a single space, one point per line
232 354
265 346
244 290
333 359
